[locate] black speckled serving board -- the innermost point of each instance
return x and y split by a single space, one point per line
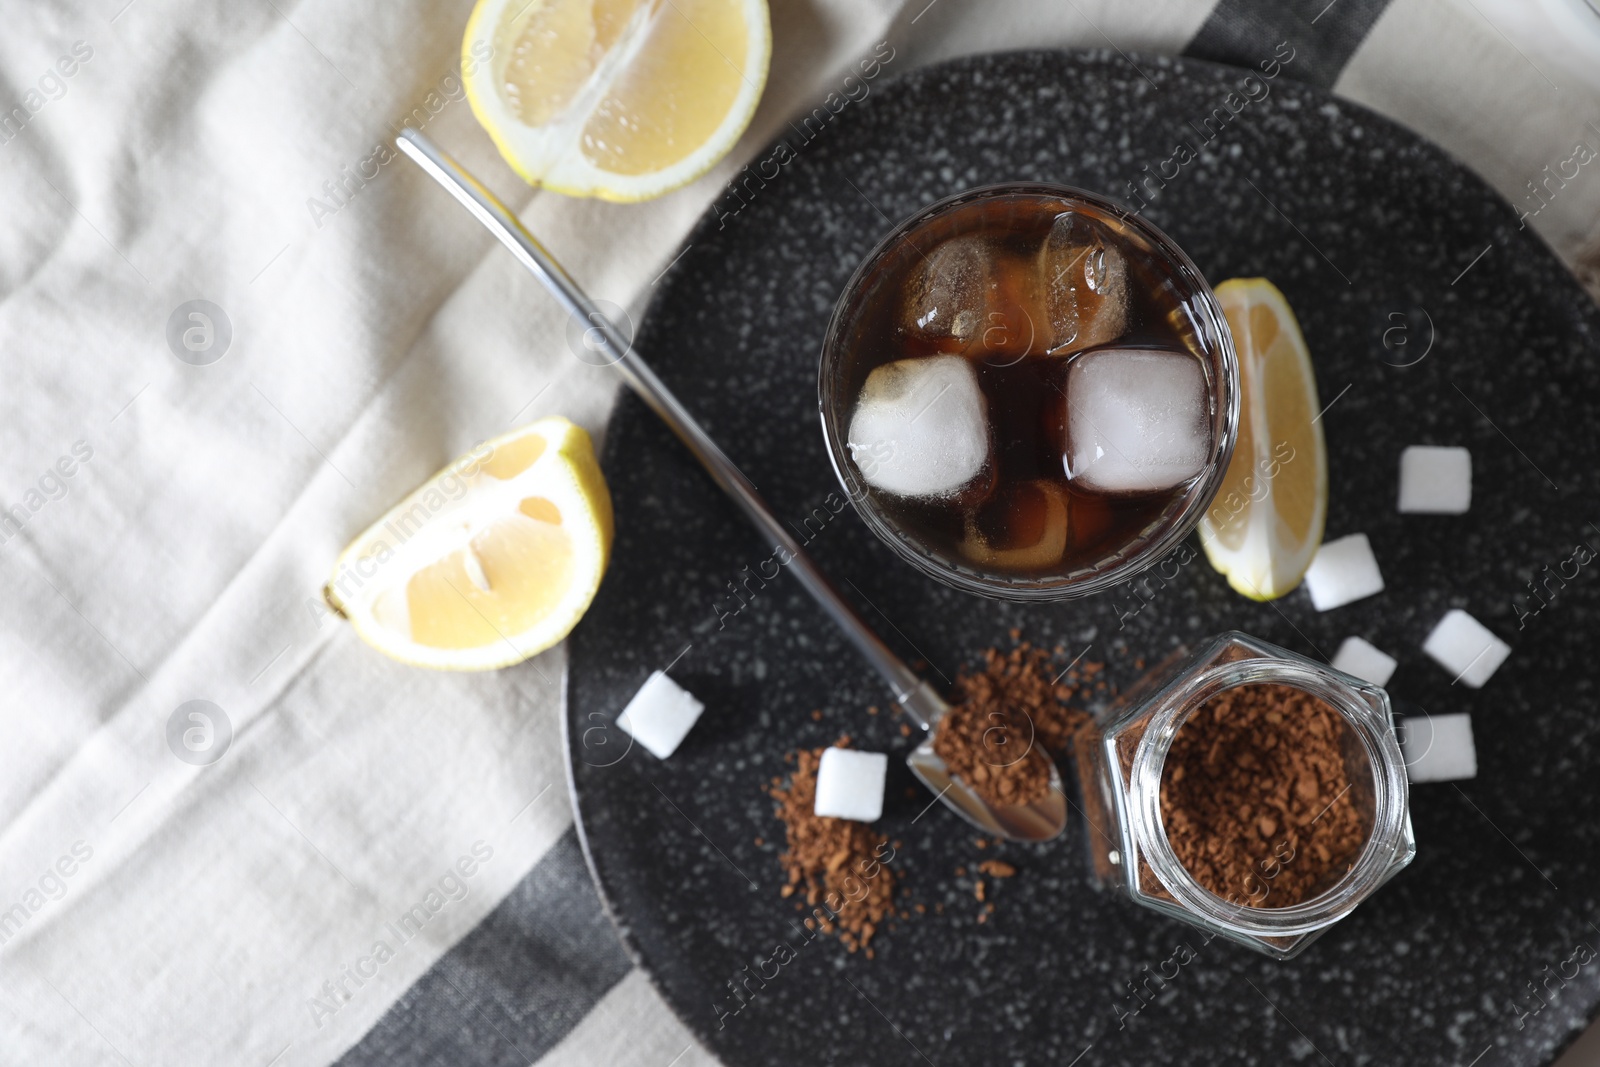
1365 228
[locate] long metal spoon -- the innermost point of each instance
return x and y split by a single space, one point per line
1038 821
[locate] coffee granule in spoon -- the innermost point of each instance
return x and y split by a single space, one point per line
1008 718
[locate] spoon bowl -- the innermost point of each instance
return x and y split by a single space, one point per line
1039 820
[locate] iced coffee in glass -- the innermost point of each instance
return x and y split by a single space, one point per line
1028 392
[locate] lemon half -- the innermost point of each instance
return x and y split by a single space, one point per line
1266 522
618 99
492 560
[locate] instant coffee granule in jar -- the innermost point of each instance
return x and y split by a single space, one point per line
1255 796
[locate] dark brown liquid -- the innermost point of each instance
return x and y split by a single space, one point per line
1007 521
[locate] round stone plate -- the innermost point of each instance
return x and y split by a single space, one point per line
1433 318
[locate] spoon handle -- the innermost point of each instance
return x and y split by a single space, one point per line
919 699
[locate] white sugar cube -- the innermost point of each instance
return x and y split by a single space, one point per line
850 784
1439 748
1365 661
660 715
1466 648
1435 481
1343 571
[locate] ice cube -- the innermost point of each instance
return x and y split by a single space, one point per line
1439 748
1343 571
850 784
1466 648
973 296
1138 420
1025 530
1015 323
1083 278
920 428
1364 660
660 715
945 300
1435 481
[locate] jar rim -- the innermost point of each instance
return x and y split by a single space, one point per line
1374 730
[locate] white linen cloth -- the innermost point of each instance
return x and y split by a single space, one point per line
196 914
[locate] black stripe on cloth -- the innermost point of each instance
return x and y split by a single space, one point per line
516 985
1323 34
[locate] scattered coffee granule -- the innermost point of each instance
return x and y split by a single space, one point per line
1255 799
832 860
997 868
1007 720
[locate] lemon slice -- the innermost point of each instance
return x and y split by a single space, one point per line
492 560
1266 522
619 99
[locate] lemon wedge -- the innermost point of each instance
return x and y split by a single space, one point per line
618 99
1265 524
492 560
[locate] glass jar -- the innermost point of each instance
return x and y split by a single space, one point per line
1121 765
